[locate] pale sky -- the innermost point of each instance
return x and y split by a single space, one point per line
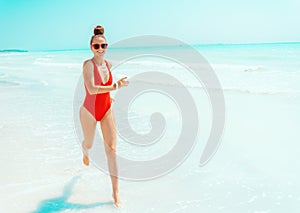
68 24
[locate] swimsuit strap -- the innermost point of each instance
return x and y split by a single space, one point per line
107 65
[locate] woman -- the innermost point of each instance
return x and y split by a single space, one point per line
97 105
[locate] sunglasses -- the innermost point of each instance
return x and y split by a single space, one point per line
97 46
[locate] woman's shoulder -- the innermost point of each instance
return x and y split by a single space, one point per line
88 66
87 63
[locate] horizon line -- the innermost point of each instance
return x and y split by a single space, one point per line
130 47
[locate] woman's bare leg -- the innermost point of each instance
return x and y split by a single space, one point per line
88 124
110 138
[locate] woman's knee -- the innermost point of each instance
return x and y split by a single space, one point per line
88 143
110 148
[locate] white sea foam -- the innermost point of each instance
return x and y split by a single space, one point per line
44 59
239 67
53 64
241 89
6 68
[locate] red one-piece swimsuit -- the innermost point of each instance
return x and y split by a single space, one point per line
98 104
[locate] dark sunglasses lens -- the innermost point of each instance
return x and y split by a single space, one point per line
104 46
96 46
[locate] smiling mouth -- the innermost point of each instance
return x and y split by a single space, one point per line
100 52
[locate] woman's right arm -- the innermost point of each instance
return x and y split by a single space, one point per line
88 76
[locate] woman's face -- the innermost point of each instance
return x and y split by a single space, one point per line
99 46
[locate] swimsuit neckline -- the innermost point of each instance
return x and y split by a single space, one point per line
97 70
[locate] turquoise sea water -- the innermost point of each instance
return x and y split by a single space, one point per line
254 170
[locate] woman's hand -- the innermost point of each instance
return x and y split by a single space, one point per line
122 82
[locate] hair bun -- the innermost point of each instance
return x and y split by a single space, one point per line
98 30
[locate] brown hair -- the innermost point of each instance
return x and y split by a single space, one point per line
99 32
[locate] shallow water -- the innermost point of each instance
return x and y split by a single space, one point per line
254 170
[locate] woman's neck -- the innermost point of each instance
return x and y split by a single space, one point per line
98 60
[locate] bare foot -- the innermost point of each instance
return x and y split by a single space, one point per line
86 160
117 199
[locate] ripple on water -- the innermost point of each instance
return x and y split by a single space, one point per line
6 83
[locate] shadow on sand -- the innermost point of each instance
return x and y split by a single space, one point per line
60 203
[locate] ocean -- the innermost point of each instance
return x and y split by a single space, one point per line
254 168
